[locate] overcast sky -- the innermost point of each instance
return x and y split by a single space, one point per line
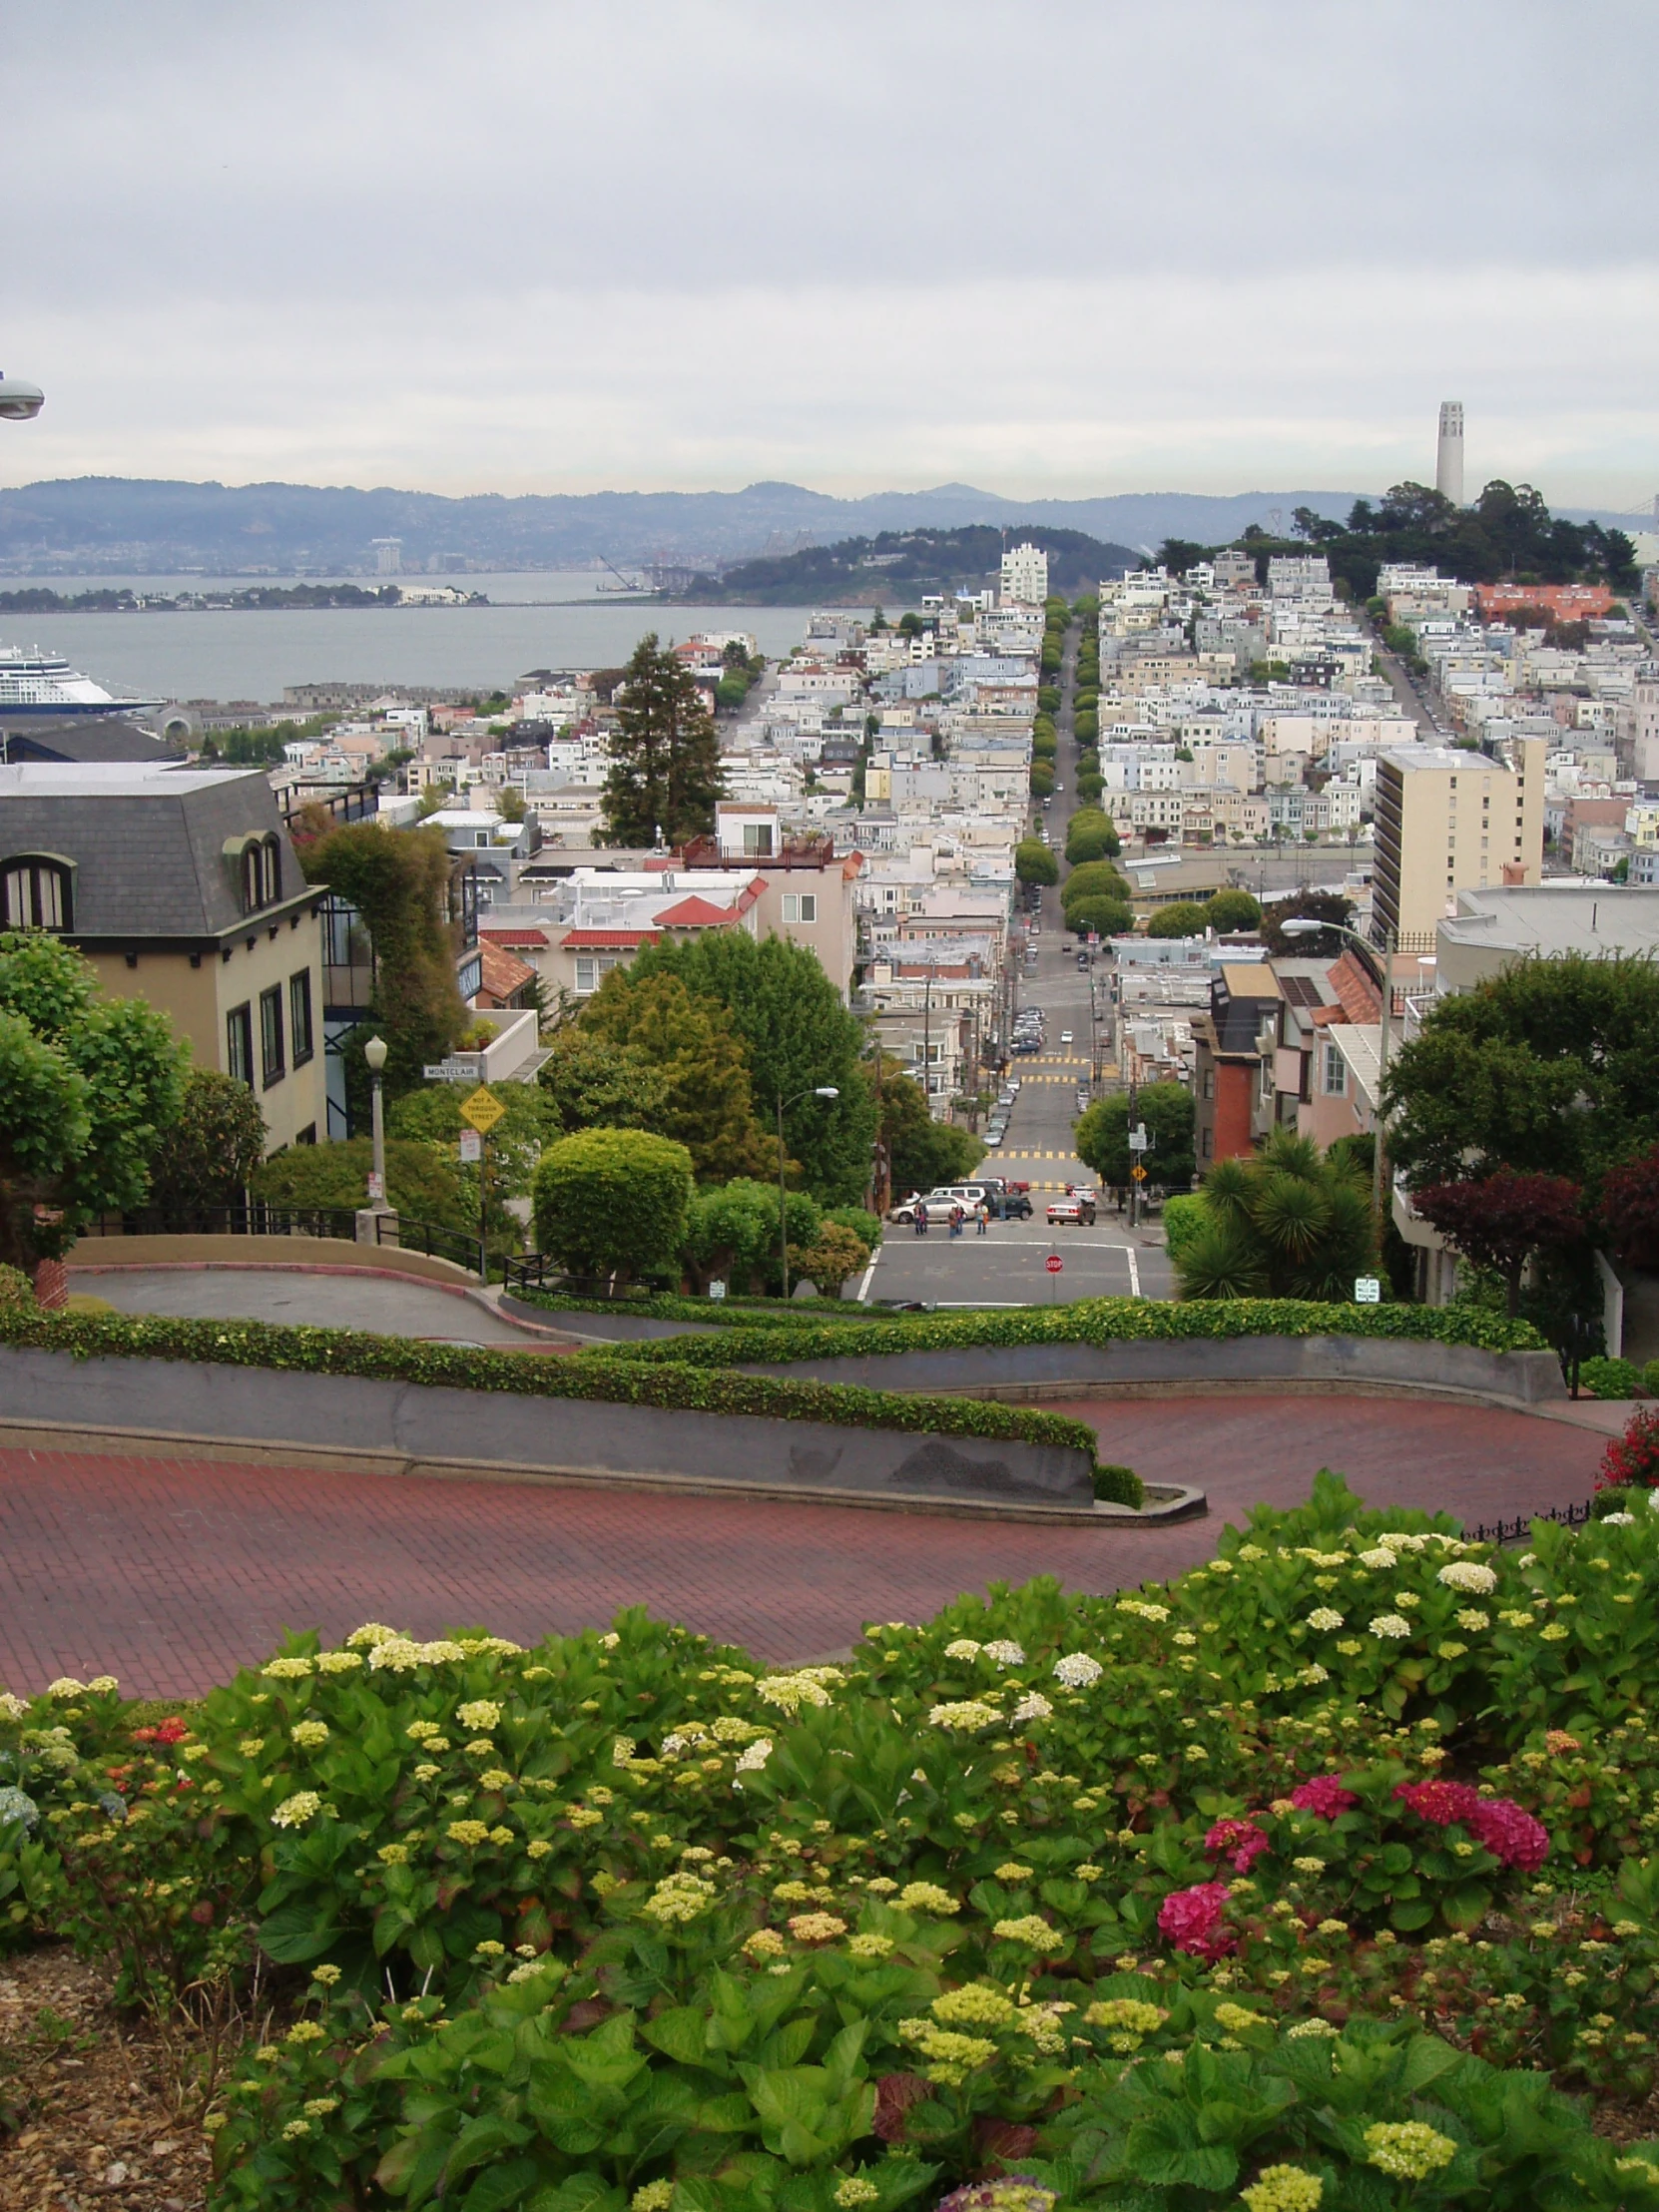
1057 246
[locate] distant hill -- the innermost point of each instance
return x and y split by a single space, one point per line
120 524
898 566
115 524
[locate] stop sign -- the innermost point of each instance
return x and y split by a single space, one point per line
1054 1263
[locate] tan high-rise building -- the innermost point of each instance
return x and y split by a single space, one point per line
1449 820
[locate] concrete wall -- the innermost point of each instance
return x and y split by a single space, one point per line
1331 1363
91 1253
407 1424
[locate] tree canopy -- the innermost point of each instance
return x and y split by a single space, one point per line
205 1156
1091 836
1034 863
1183 918
1501 1219
592 1083
1102 1139
707 1105
1550 1068
921 1152
1327 906
1231 910
1284 1223
613 1202
86 1086
665 773
800 1036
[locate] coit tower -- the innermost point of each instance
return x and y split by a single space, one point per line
1449 454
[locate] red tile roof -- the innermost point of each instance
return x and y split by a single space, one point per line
530 940
501 974
1362 1001
607 940
696 914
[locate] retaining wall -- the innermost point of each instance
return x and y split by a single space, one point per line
1209 1363
413 1428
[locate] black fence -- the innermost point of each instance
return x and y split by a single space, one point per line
253 1218
1508 1532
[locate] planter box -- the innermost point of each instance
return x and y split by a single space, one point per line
406 1426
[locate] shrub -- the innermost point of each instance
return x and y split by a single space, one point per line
588 1925
612 1201
1184 918
1611 1377
16 1290
1631 1462
832 1258
423 1181
1184 1219
207 1155
1286 1222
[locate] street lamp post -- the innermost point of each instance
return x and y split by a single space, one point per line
374 1053
819 1090
1304 927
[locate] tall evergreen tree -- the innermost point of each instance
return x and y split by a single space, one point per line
665 771
707 1105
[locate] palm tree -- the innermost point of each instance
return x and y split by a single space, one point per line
1284 1223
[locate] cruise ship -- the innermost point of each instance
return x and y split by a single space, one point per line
45 685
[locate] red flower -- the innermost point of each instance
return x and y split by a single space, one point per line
1325 1795
1240 1840
1443 1803
1631 1462
1192 1920
1509 1834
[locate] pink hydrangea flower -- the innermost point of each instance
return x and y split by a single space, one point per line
1509 1834
1441 1802
1192 1920
1325 1795
1240 1840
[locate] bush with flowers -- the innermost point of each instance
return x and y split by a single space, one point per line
1247 1887
1631 1462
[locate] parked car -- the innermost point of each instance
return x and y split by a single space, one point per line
1065 1036
1074 1213
1083 959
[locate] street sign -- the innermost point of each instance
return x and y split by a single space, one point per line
1367 1289
472 1148
717 1289
1138 1139
1054 1263
484 1109
376 1190
1137 1173
469 1070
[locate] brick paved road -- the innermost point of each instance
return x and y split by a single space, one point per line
171 1573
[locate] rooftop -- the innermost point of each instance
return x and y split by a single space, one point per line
1547 918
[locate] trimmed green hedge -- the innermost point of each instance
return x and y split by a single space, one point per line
717 1312
596 1378
1099 1320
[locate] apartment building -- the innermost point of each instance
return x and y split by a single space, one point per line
1025 577
181 887
1449 820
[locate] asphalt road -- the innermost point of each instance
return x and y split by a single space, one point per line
390 1306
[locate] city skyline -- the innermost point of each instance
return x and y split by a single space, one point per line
1209 251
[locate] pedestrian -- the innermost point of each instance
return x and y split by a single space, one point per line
981 1214
956 1221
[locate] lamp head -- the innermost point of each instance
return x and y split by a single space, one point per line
19 401
374 1052
826 1090
1304 927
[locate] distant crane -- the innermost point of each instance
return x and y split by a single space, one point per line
623 583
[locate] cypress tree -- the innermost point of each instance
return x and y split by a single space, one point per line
664 770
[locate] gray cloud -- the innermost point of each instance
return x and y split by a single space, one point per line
1062 247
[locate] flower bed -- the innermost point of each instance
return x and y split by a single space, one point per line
601 1378
1321 1875
713 1313
1102 1320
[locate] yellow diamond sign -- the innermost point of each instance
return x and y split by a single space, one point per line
482 1109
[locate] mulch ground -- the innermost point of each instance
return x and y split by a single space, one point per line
86 2111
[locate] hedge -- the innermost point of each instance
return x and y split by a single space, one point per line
715 1313
1099 1320
596 1378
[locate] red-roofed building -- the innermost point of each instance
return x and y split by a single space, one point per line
505 981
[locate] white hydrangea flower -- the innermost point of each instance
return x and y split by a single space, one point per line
1006 1653
1324 1618
964 1713
1471 1575
1032 1707
1077 1670
750 1759
1390 1624
964 1647
1380 1557
1618 1520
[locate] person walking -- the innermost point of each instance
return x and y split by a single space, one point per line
981 1215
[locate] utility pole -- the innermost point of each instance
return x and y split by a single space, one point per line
1134 1160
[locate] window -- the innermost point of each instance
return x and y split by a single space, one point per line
800 906
1335 1072
587 975
260 873
239 1043
300 1017
272 1063
35 893
1209 1082
308 1135
757 842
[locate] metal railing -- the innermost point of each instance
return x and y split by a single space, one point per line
532 1271
1508 1532
426 1236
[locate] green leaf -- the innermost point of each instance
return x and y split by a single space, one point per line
299 1933
1164 2147
680 2032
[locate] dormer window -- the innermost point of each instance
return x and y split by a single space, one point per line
260 873
36 892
